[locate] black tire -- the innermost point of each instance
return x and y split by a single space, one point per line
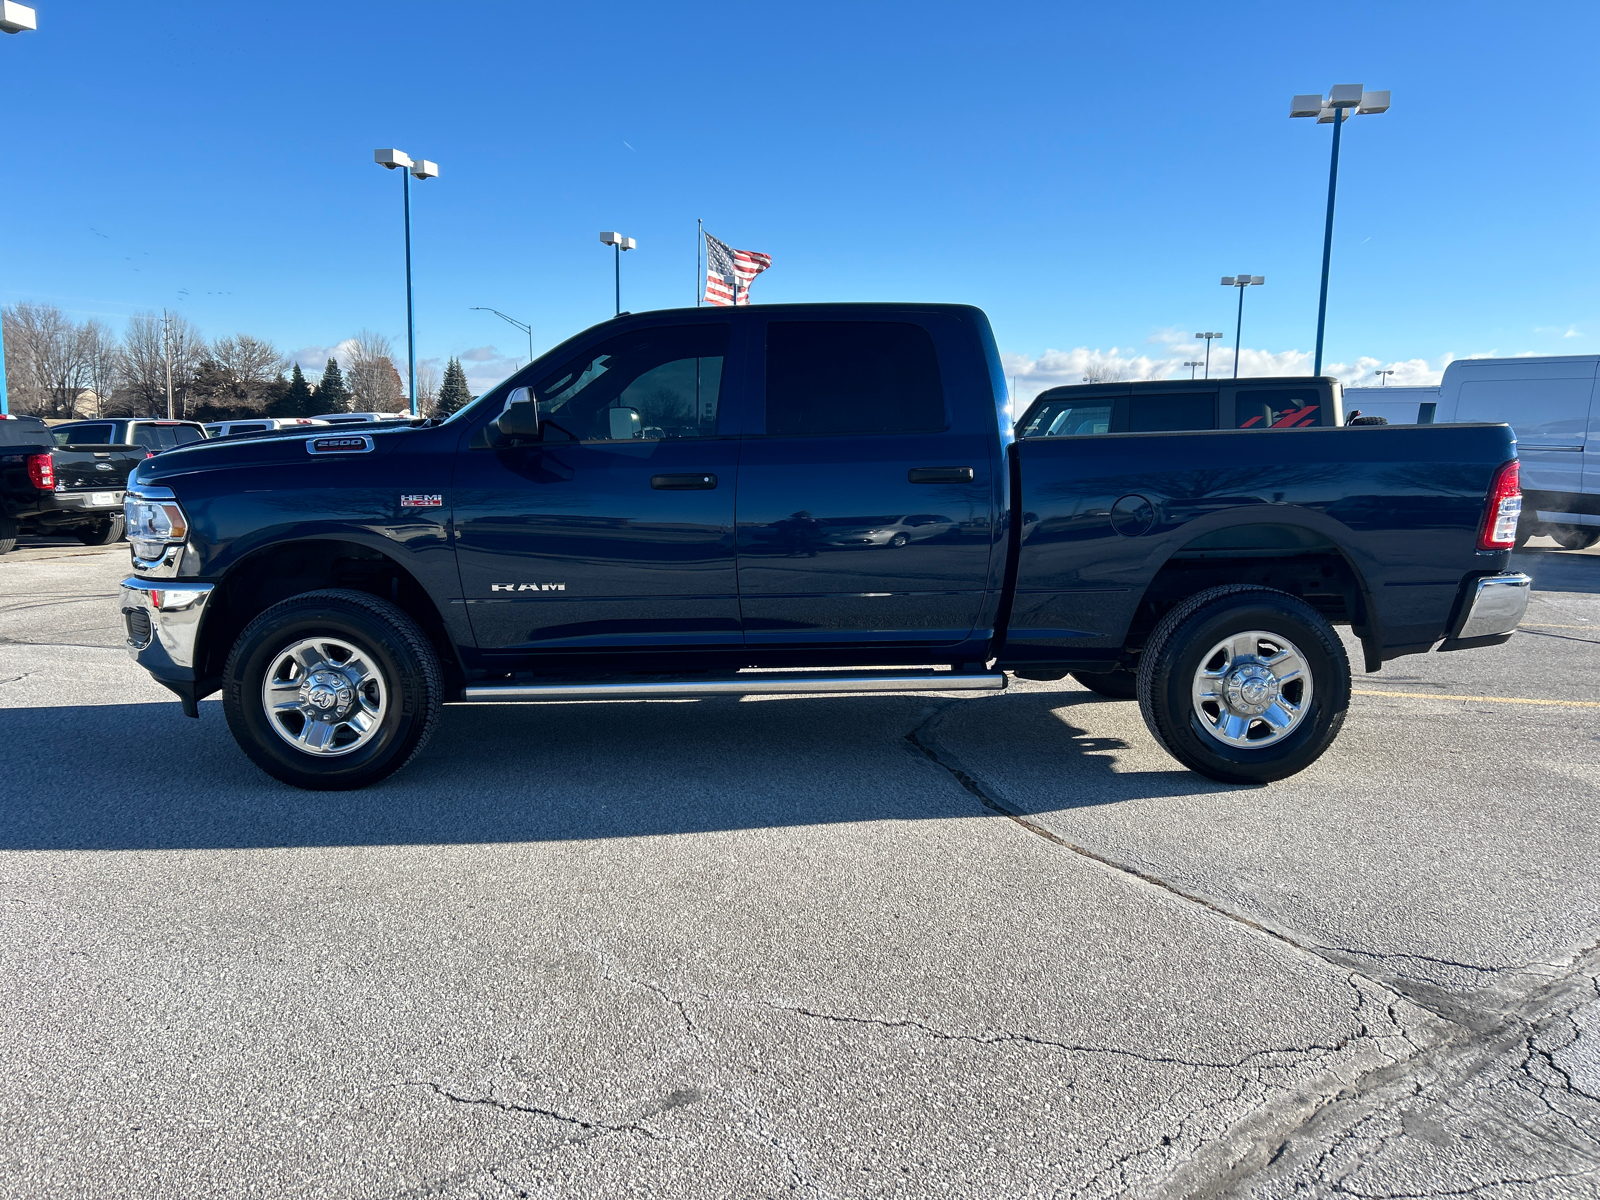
1573 537
401 657
8 535
1120 684
1173 658
102 533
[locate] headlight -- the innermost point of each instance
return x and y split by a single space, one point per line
154 522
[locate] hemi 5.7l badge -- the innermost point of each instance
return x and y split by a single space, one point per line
433 500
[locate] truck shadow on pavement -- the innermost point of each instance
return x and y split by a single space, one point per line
143 777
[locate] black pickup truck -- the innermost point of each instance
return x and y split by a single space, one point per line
805 499
47 488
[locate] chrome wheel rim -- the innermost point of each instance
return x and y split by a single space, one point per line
324 696
1252 689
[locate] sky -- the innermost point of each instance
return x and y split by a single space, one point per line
1085 173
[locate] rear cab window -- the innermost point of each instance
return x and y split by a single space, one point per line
1279 408
852 377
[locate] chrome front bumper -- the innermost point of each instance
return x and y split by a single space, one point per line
161 621
1495 605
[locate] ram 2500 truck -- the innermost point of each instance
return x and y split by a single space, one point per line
805 499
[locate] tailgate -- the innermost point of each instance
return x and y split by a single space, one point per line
95 468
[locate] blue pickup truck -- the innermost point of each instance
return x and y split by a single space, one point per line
805 499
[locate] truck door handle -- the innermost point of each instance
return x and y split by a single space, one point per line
940 475
698 481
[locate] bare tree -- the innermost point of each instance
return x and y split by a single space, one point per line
52 358
144 364
248 359
1107 370
372 375
105 364
428 381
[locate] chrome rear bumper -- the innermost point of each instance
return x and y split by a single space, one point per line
1495 605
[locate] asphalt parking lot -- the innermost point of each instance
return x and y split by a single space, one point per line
833 947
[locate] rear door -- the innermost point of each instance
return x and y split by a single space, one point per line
867 490
614 528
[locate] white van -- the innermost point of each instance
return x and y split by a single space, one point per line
1549 402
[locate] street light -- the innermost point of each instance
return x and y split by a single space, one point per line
422 169
1209 337
621 243
1241 282
14 18
1385 375
1335 110
527 329
1193 365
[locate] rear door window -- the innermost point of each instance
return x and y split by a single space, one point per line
85 435
182 435
861 377
1154 412
1278 408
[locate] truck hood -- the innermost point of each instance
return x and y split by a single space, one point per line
292 449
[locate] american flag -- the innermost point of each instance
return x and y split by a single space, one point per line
729 272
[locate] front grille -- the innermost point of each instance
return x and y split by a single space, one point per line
138 623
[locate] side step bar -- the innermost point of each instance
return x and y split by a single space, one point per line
755 683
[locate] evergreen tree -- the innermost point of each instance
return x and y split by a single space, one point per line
296 400
453 393
332 394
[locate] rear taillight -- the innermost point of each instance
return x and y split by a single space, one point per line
1500 516
42 472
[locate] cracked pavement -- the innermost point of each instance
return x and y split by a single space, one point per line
830 947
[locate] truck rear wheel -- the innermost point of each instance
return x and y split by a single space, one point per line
8 535
332 690
101 533
1244 684
1120 684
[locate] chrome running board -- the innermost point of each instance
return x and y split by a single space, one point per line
754 683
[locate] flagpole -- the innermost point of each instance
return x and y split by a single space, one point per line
699 243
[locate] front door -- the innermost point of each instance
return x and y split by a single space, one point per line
611 528
866 510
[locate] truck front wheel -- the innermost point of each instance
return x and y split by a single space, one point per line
1244 684
332 690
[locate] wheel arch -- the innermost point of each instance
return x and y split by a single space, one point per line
274 573
1304 557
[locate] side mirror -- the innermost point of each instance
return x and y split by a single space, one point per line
625 424
520 417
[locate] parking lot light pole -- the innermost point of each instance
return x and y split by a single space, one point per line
1209 337
422 169
1192 366
527 329
1241 282
14 18
1385 376
1335 110
621 243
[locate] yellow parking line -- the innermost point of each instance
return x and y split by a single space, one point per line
1482 699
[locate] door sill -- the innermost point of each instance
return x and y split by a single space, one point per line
743 683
